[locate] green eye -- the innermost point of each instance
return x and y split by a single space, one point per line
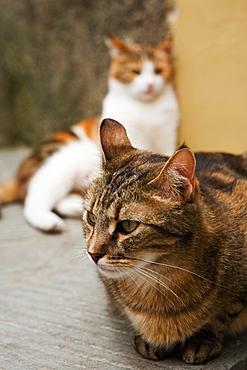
91 218
127 226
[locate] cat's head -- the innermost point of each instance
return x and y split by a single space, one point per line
141 207
143 71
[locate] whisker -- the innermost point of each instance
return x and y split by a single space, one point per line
176 267
79 258
164 286
199 276
130 273
68 201
153 285
171 281
82 190
68 258
78 254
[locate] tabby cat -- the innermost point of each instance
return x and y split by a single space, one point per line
140 91
169 238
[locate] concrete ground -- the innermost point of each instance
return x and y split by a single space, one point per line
53 312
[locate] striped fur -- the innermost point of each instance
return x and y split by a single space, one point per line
168 236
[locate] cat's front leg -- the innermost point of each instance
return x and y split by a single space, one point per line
206 343
147 350
151 352
202 347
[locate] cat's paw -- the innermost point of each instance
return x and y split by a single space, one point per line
70 206
45 221
53 224
198 351
146 350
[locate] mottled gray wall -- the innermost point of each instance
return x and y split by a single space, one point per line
54 62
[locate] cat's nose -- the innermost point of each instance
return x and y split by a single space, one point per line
150 88
96 256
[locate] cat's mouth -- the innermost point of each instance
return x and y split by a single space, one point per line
117 267
111 266
114 268
112 271
150 93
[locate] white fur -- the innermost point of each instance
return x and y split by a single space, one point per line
148 108
70 206
68 168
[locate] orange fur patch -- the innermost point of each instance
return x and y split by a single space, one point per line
90 126
64 137
9 192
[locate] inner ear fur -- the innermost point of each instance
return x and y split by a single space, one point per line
116 45
166 45
177 178
114 139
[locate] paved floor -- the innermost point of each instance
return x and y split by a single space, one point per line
53 312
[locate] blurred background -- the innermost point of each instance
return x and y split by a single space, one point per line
211 49
54 65
54 62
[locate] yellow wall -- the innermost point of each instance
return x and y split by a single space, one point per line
211 62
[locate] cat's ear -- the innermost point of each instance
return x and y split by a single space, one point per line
114 139
177 178
116 46
166 45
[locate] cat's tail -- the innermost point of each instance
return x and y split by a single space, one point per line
10 192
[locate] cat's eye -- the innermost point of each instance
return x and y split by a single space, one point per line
127 226
158 71
136 71
91 218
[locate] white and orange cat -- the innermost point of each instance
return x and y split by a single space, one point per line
141 94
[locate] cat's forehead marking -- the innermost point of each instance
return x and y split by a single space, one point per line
112 218
141 55
148 67
125 184
112 212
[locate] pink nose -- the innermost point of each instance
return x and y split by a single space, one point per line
96 256
150 88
